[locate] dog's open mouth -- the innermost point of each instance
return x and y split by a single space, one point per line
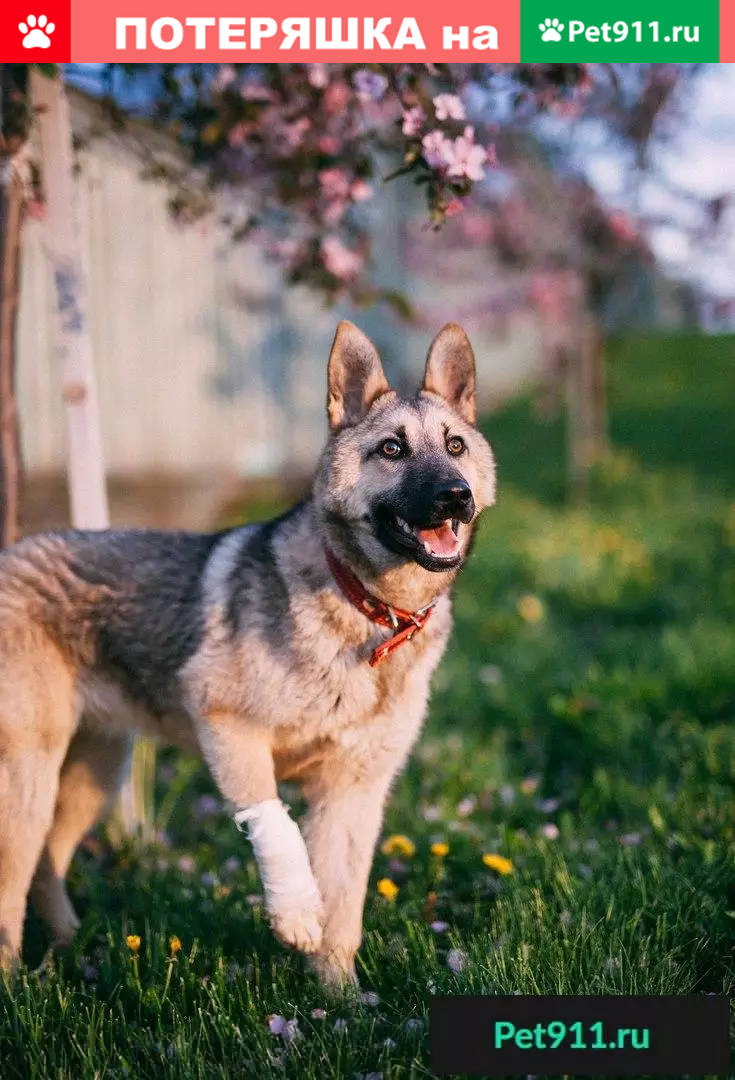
440 542
435 546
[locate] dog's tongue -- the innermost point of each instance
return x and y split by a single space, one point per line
441 540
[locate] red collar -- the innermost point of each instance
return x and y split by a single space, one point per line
405 623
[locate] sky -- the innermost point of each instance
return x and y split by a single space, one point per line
700 159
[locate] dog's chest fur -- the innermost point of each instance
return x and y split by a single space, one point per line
279 631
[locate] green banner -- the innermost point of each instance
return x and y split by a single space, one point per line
620 30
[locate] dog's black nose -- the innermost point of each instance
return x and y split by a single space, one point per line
454 499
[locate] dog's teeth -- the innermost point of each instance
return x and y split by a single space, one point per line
404 525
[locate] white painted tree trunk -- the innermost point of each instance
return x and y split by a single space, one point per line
85 464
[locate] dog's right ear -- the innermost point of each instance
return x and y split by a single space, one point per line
355 377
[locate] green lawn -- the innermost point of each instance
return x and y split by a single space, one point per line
581 728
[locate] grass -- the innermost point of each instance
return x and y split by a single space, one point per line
581 728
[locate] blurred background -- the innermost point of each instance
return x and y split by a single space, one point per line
602 213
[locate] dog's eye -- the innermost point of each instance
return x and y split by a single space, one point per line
455 445
391 448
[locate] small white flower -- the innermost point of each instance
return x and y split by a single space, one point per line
490 675
456 960
467 805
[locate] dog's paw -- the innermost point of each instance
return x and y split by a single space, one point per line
336 974
299 927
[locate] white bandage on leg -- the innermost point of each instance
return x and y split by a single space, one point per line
292 898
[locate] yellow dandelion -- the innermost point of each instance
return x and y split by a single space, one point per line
398 845
440 849
529 785
530 609
133 942
498 863
174 945
387 889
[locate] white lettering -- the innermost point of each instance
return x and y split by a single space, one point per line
121 32
177 33
486 37
231 29
200 25
409 34
462 36
376 34
296 30
575 28
336 42
261 28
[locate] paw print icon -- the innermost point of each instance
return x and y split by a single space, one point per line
36 32
551 30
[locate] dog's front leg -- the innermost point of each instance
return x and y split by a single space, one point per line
341 830
241 762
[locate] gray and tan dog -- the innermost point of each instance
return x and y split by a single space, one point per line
299 649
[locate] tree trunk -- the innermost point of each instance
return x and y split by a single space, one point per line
85 466
12 204
587 439
87 491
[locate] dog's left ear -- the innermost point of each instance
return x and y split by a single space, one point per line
450 371
355 377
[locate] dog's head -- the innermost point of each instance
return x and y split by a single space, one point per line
404 478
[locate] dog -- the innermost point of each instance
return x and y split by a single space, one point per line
300 649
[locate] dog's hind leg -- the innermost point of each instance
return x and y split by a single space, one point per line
93 770
37 717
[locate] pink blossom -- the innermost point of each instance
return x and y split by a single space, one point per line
468 158
258 92
318 76
449 107
329 144
294 133
456 206
224 78
361 191
334 183
339 260
437 150
334 212
337 97
413 120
